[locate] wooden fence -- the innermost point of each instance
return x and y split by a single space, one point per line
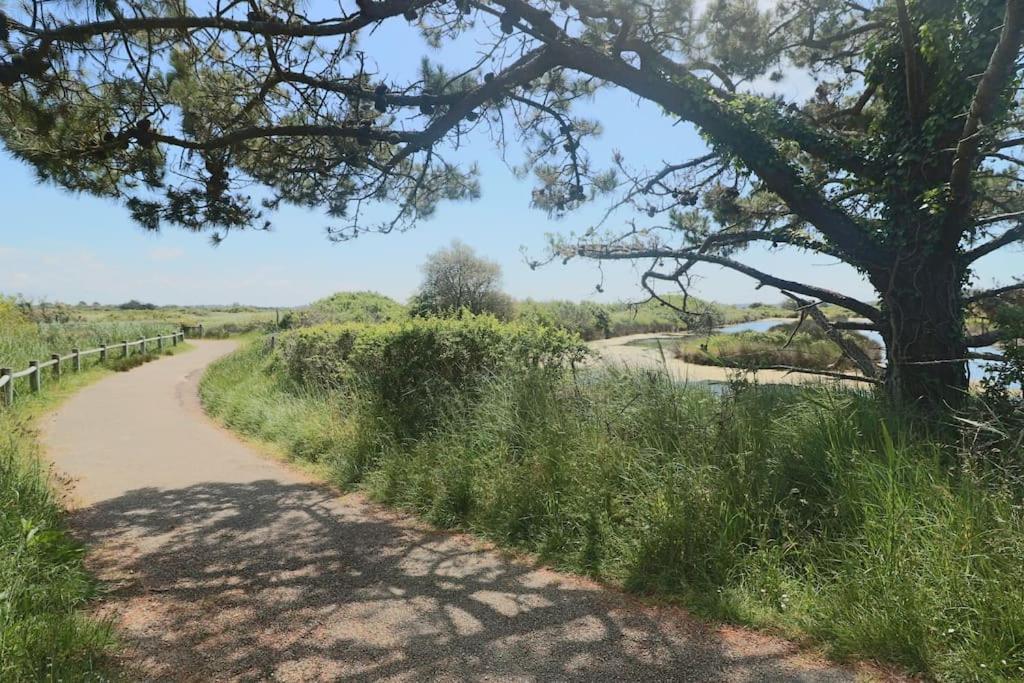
34 372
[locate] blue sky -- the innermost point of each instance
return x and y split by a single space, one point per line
58 246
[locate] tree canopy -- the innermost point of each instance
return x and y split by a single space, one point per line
457 279
904 163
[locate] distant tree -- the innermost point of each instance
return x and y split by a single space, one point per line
456 279
134 305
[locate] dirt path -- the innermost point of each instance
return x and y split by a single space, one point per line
225 565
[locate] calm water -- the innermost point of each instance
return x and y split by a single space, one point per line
976 368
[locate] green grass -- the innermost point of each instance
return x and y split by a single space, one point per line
45 634
813 511
113 322
765 349
21 343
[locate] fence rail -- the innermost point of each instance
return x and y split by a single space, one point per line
34 372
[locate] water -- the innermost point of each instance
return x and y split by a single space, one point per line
975 368
753 325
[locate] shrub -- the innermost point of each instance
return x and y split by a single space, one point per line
318 356
412 368
348 307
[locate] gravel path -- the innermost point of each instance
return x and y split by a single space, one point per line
223 564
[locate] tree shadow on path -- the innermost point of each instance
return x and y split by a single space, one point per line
287 581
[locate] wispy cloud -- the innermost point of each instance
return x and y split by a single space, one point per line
165 254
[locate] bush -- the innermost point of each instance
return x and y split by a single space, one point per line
134 305
318 356
413 368
348 307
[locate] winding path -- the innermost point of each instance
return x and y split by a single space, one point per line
222 564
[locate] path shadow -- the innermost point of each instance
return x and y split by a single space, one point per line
266 580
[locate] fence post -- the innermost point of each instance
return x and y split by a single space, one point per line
103 353
273 341
78 359
56 366
201 333
124 348
9 387
142 345
35 380
174 339
160 343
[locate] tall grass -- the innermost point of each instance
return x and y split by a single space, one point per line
43 585
25 341
44 634
812 510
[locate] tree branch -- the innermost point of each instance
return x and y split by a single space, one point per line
82 32
991 293
823 373
916 101
1009 237
606 253
986 338
850 349
253 133
984 105
525 69
688 98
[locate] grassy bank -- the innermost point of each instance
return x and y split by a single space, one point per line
809 510
778 346
43 585
44 633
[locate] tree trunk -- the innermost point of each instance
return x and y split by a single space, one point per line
924 336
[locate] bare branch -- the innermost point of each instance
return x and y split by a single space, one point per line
850 349
601 252
992 293
1009 237
823 373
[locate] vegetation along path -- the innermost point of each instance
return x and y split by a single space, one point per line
223 564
